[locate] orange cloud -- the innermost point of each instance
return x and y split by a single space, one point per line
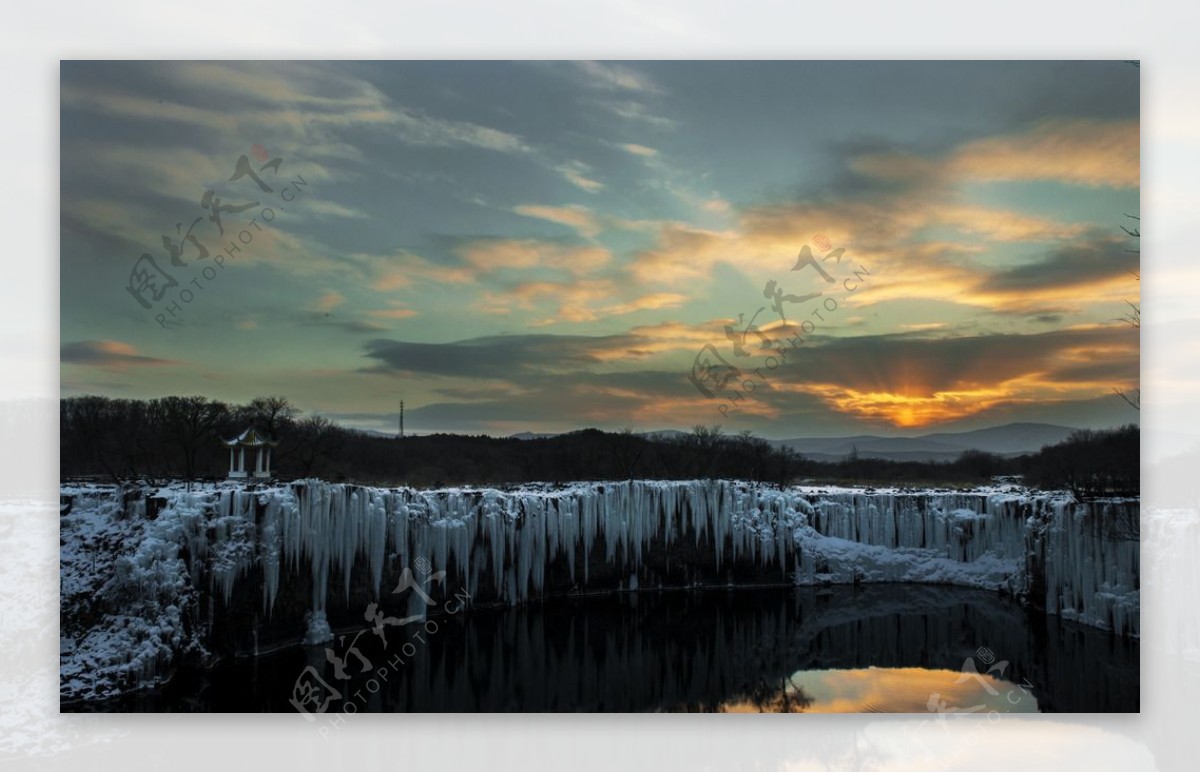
401 269
908 410
330 301
1080 269
394 313
1083 152
916 382
107 354
579 218
490 255
1077 152
1004 226
577 301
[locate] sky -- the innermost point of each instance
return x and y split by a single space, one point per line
790 248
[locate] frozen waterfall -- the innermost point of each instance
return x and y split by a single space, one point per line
1018 542
321 550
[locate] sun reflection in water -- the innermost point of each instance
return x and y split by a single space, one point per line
896 690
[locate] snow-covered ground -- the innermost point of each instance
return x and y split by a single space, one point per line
130 583
124 590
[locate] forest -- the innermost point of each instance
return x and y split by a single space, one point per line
121 440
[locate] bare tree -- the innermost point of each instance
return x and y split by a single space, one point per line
189 423
317 438
271 413
627 449
89 419
704 442
1134 315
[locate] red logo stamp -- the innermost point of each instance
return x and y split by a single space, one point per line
822 242
259 152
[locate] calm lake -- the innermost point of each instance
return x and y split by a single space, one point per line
885 648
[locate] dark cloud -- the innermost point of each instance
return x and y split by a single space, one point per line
106 354
339 321
493 356
1084 261
912 363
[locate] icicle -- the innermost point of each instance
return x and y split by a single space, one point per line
513 540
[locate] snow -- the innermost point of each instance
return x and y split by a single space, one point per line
317 630
1042 547
125 573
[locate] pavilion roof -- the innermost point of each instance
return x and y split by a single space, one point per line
251 437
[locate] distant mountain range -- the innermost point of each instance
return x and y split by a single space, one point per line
1006 440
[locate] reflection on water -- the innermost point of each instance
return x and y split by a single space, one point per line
899 648
907 690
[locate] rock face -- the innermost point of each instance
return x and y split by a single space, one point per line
232 570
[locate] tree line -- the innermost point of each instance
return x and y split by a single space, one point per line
179 437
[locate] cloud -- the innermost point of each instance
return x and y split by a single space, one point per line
579 218
1072 266
528 355
1002 225
588 222
639 150
897 380
394 313
110 355
321 208
615 77
315 112
330 301
343 322
576 301
636 112
298 102
624 90
1088 263
402 269
685 252
490 357
575 172
1072 151
650 301
490 255
910 380
419 128
1083 152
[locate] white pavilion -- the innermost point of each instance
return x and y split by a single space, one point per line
253 440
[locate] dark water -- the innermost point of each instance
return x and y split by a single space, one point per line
884 648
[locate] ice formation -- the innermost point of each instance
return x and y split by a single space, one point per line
1058 554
